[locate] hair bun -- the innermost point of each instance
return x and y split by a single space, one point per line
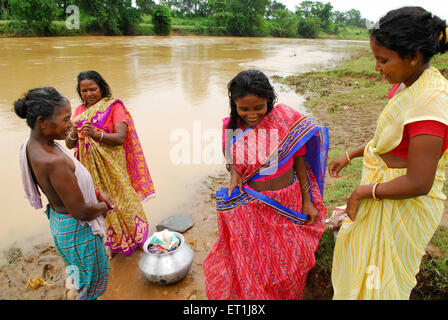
21 108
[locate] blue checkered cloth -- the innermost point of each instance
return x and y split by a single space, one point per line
83 253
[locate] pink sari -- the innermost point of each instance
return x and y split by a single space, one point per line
263 251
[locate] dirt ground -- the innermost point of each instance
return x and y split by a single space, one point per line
126 280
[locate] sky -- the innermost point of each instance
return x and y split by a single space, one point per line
375 9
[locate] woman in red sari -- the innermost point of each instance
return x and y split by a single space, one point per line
272 216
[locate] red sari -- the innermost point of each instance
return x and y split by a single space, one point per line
261 253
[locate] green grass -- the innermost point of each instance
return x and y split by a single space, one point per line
338 190
347 33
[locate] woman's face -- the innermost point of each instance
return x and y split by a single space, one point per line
251 108
392 66
90 92
60 123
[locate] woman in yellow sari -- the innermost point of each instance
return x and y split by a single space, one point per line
106 143
395 211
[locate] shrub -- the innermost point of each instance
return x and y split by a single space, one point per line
38 14
309 27
161 20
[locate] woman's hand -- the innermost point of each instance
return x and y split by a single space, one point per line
103 197
337 165
74 130
235 180
309 209
360 193
88 130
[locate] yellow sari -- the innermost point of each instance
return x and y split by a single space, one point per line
377 256
122 173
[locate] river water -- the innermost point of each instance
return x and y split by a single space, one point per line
175 88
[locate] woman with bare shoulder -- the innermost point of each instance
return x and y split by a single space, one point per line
76 210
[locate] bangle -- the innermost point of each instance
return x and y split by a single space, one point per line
348 158
70 137
374 192
97 192
228 167
306 187
102 135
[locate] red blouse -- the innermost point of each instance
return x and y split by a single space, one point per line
413 129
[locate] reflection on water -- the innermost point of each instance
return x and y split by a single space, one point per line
167 83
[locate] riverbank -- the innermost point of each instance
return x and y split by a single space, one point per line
180 27
347 99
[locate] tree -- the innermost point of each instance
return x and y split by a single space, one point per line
284 23
220 16
354 18
340 17
316 9
247 17
4 8
161 20
274 6
38 14
147 6
191 8
114 17
309 27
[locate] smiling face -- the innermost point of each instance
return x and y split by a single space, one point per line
90 92
394 68
60 123
251 109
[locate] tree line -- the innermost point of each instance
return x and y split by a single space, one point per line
218 17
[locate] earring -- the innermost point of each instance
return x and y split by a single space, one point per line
413 63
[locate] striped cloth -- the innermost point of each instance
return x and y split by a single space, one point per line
260 254
377 256
83 253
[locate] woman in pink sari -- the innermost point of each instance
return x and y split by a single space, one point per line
272 216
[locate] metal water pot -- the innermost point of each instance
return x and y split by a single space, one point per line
168 267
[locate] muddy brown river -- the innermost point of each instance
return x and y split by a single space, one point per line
175 88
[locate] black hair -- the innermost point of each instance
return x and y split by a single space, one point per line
39 102
246 82
95 76
410 29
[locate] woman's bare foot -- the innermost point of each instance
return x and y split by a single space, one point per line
109 252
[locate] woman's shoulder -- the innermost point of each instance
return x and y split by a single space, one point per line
47 161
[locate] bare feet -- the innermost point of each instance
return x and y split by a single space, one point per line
109 252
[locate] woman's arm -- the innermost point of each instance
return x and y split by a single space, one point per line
235 180
72 138
307 205
116 138
423 158
65 183
340 163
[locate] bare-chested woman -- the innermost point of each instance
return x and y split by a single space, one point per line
75 208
